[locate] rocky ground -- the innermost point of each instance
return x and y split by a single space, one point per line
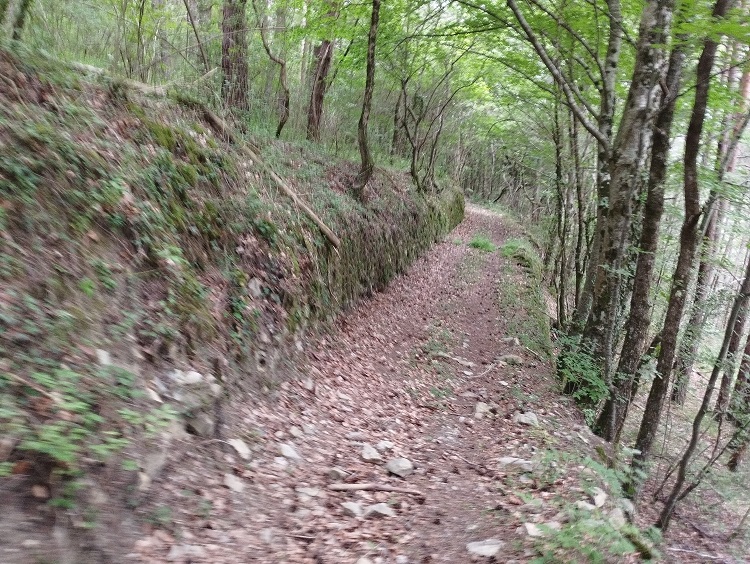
421 430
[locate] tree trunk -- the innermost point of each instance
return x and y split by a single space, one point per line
3 12
634 132
691 337
323 54
21 14
367 163
677 492
689 238
740 409
278 60
730 366
612 417
235 86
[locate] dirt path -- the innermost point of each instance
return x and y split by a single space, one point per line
384 377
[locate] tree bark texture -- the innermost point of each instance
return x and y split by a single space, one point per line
677 489
235 86
633 134
689 239
367 163
612 417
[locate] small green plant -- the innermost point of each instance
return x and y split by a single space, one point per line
161 516
482 243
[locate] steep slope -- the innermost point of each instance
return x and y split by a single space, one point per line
151 274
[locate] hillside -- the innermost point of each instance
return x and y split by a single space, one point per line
152 272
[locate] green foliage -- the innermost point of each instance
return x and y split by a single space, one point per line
483 243
522 251
581 376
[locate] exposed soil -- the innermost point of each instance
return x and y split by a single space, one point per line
407 367
381 375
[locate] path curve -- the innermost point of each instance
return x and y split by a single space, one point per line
404 372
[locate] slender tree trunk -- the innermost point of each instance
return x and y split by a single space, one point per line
323 54
3 12
281 62
367 163
689 239
730 365
190 10
740 409
22 13
637 326
677 490
635 130
234 89
691 337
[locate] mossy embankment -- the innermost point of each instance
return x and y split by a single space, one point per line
136 240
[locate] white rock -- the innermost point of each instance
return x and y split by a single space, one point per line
512 359
289 452
352 508
382 446
525 465
234 483
488 547
481 409
536 531
400 467
310 492
308 429
585 505
280 461
185 552
364 560
337 473
533 530
356 436
379 510
598 496
192 377
266 535
627 506
103 357
370 454
241 447
617 518
527 418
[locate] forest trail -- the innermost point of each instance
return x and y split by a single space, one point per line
411 373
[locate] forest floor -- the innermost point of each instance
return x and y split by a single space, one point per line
442 370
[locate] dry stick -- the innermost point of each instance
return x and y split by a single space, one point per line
373 487
701 554
197 35
221 126
738 530
24 382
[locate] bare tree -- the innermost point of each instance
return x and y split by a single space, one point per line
367 163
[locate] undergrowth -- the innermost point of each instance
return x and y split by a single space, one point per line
136 240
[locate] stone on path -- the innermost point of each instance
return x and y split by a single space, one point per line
481 409
370 454
289 452
488 548
400 467
241 447
512 359
379 510
527 418
234 483
525 465
617 518
599 496
352 508
185 553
